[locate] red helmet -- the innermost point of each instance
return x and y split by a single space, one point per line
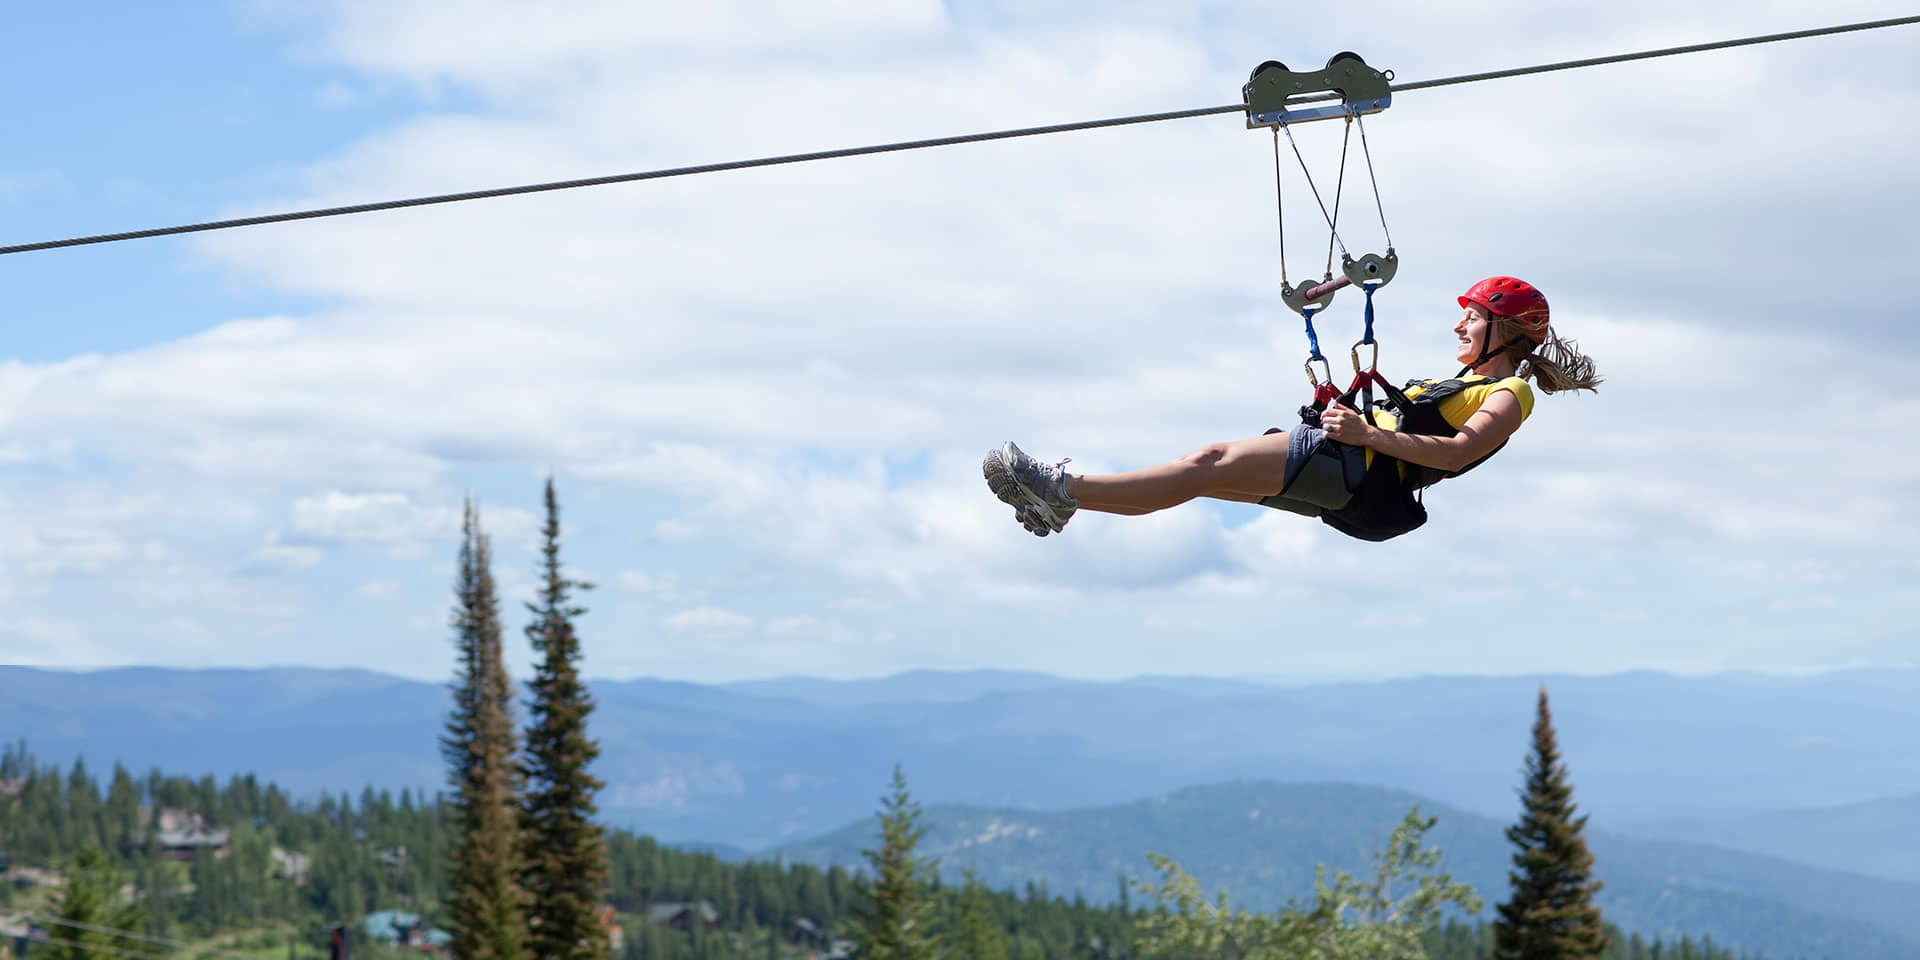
1514 299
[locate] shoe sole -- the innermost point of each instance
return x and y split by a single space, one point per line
1010 491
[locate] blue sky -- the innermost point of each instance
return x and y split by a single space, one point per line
765 394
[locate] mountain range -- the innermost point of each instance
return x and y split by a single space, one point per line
1261 842
1776 812
1815 768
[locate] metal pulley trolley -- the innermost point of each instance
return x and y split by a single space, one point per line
1278 98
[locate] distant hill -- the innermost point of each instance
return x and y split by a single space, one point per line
913 686
1868 837
959 686
1261 842
761 764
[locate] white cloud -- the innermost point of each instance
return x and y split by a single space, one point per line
386 518
667 586
41 641
766 392
281 556
708 619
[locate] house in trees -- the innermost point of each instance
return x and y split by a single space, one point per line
817 941
180 834
682 916
406 930
806 933
288 865
184 844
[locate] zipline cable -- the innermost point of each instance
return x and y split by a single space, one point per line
624 178
919 144
1663 52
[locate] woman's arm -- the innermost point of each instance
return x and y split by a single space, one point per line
1490 426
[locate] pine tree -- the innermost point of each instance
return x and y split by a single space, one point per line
976 931
1551 915
894 915
566 854
89 919
486 906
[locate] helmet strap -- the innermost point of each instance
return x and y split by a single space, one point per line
1487 353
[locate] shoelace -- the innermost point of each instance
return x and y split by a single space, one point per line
1057 476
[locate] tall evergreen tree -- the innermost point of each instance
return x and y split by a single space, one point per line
566 853
894 916
486 906
1551 914
976 931
90 918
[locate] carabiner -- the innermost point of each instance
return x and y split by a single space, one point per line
1355 353
1328 367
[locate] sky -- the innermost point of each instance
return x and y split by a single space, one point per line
763 396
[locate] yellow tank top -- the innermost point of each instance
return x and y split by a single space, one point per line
1461 407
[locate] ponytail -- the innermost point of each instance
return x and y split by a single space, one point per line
1555 365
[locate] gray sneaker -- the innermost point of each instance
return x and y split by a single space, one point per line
1036 491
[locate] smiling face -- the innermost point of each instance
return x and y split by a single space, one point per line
1473 329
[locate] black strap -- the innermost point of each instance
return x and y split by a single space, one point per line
1486 354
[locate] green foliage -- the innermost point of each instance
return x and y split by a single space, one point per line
486 907
90 906
976 932
347 878
895 915
1350 918
1460 941
565 851
1551 914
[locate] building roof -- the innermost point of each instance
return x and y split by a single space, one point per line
387 924
667 911
193 838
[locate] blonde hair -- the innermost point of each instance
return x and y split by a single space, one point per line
1554 366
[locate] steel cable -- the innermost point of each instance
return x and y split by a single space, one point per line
922 144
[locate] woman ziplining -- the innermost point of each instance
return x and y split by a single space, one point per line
1362 478
1356 462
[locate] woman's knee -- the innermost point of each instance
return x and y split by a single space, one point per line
1208 457
1248 466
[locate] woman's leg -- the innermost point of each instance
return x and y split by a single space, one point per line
1246 471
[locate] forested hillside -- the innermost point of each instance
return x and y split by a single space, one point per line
242 857
685 762
1262 840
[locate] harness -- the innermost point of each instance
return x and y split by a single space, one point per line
1381 500
1333 480
1421 416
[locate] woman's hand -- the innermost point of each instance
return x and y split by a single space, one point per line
1345 424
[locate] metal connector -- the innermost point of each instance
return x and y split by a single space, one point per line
1274 94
